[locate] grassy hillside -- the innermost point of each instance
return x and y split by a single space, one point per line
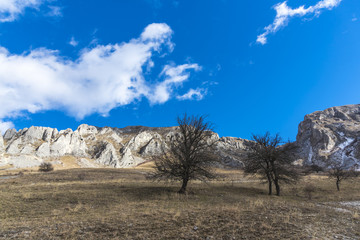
122 204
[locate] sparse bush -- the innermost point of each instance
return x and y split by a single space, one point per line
316 168
340 172
46 167
310 169
309 189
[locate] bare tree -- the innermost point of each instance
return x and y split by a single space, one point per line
272 160
190 155
340 172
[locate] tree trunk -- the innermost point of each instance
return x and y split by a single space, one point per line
338 184
183 187
270 185
277 188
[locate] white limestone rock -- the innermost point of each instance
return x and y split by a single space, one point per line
109 133
28 149
49 134
44 150
140 140
2 147
14 147
128 159
330 135
108 156
120 148
9 134
141 146
153 148
33 134
69 143
85 129
22 161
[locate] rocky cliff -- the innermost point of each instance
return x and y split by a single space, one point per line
331 135
93 146
323 136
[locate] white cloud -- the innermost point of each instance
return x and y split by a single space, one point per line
284 13
193 94
10 9
73 42
174 77
101 79
55 11
4 126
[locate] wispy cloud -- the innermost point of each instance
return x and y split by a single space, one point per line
55 11
73 42
102 78
284 13
11 9
193 94
174 77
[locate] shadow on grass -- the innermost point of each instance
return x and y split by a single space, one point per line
150 192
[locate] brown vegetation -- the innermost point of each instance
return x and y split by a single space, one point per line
46 167
122 204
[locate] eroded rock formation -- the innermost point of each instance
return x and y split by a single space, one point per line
331 135
323 136
113 147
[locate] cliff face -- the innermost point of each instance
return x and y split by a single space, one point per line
331 135
113 147
323 136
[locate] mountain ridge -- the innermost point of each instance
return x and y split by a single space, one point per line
104 146
323 136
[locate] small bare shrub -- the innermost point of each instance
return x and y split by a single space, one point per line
46 167
309 189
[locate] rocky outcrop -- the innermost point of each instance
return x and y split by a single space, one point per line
69 143
2 147
232 150
9 134
108 156
112 147
331 135
21 161
323 136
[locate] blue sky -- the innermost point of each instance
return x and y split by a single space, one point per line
251 66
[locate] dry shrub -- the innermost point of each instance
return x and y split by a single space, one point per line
46 167
309 189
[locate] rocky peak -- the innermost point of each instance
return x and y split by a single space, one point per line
114 147
329 134
9 134
85 129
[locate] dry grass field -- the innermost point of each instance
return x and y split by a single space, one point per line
123 204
